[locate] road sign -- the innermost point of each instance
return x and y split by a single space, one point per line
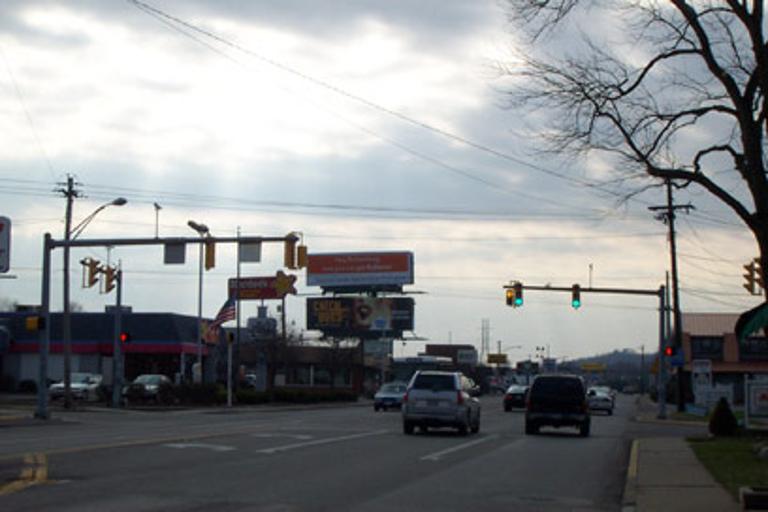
497 358
5 244
262 288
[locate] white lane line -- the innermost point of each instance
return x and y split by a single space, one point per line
299 437
205 446
285 448
437 455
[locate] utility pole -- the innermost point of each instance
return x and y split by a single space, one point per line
70 193
668 217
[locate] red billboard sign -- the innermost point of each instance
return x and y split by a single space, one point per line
360 269
263 288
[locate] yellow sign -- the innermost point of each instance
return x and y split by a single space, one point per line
497 358
593 367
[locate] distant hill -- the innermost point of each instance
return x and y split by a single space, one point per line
617 357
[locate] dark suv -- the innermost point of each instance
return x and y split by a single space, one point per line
557 401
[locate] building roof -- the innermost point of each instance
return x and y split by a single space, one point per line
709 324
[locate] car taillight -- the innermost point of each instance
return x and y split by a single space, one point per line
405 397
459 398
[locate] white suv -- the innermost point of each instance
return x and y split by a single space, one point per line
440 399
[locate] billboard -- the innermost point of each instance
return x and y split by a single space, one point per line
360 269
360 316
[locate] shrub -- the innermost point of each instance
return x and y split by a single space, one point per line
722 422
250 396
200 394
7 383
27 386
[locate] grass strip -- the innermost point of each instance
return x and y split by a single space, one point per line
732 461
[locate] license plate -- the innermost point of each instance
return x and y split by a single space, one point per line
421 403
434 403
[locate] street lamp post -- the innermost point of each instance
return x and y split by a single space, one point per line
70 234
203 231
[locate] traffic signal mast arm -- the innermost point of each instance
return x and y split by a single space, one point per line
569 289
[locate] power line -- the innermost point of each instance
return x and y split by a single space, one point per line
155 12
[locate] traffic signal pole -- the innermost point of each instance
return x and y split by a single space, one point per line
49 244
117 350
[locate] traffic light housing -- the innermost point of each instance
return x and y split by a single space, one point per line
510 297
518 289
301 256
110 277
750 276
576 296
92 270
210 254
289 255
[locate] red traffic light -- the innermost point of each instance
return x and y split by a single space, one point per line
669 351
125 337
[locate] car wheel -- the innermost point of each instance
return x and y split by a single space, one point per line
407 428
375 408
584 430
610 412
507 408
531 429
464 427
476 427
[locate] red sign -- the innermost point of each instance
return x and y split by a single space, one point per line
263 288
360 269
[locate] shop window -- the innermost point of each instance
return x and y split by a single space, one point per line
707 348
753 349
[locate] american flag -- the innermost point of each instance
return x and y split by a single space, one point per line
226 313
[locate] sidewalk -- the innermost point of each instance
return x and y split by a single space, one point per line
665 475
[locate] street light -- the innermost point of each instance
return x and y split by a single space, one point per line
71 234
78 230
203 231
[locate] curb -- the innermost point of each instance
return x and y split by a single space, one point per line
629 498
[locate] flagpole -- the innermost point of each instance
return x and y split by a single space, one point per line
237 297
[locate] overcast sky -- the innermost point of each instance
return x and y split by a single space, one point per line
364 125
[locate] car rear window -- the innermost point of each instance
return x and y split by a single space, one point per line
434 382
564 387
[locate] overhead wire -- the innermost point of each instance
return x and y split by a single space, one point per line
155 12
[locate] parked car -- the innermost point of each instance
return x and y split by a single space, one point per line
84 386
557 401
147 387
515 396
440 399
599 400
390 395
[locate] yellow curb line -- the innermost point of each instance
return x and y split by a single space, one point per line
34 472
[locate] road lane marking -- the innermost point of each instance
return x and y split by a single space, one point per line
139 442
437 455
205 446
298 437
35 472
287 447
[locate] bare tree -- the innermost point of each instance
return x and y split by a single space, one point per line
685 102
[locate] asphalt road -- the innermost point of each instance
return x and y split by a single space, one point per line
325 459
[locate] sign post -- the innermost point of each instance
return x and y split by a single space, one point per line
5 244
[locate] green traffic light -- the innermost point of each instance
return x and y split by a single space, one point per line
576 304
518 301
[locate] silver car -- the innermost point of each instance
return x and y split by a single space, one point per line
83 386
440 399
